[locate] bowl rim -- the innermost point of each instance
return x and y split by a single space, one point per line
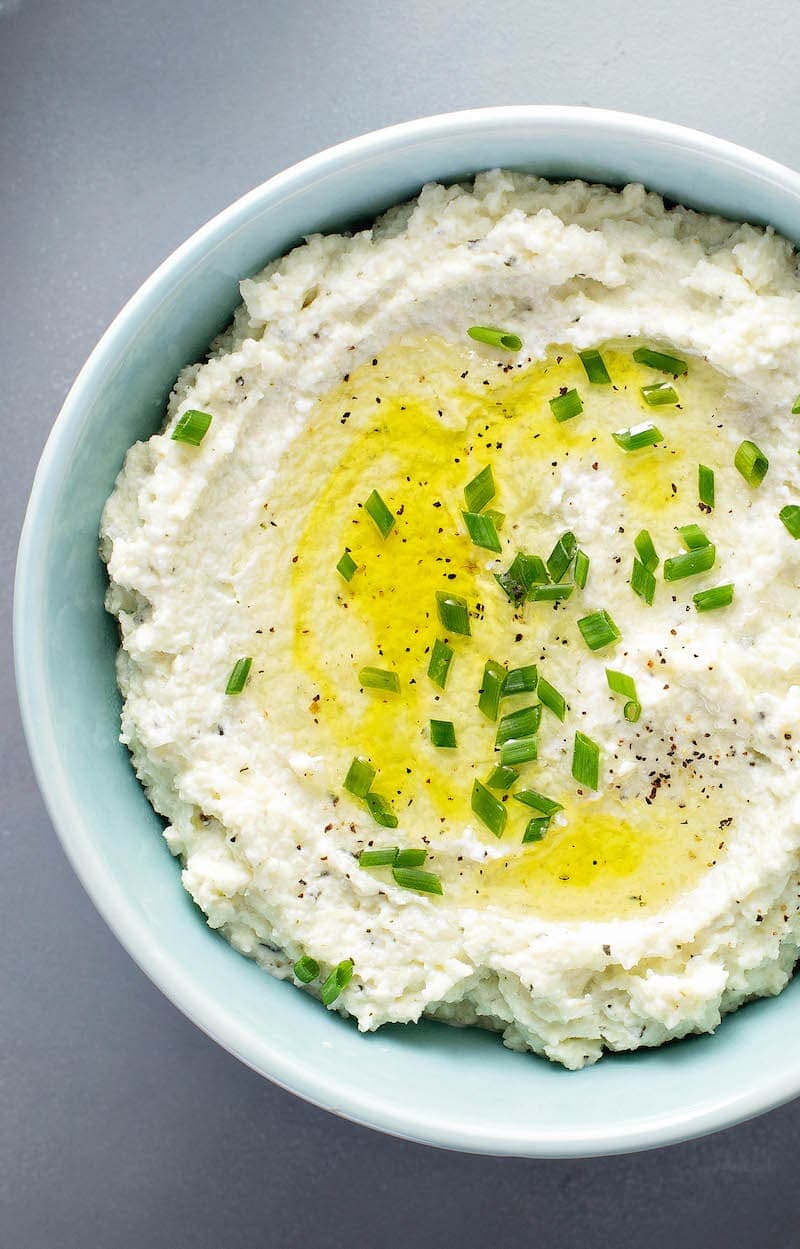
139 941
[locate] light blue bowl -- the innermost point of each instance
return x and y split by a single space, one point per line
429 1083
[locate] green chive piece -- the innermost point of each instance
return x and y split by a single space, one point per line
502 778
520 681
550 593
535 829
377 509
690 564
646 551
521 723
347 566
306 969
636 437
482 530
660 360
489 810
565 406
643 582
718 596
415 878
379 679
380 810
519 750
550 698
561 556
239 674
621 683
790 515
360 776
581 569
413 857
751 463
523 571
495 338
705 485
382 857
598 630
497 518
586 761
479 491
539 802
692 537
453 612
595 367
491 691
440 661
659 394
339 978
443 734
192 427
796 406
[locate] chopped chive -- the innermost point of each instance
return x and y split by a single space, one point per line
498 518
565 406
660 360
379 679
796 406
550 698
549 593
415 878
382 857
636 437
643 582
479 491
539 802
306 969
413 857
598 630
790 515
751 463
520 681
380 810
192 427
347 566
482 530
705 485
690 564
632 710
360 776
519 750
659 394
443 734
502 778
645 550
491 691
453 612
621 683
595 367
561 556
581 569
586 761
717 596
535 829
495 338
692 537
489 810
440 661
377 509
521 723
521 574
339 978
239 674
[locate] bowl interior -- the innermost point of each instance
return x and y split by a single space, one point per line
448 1087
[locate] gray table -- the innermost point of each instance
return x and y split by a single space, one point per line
123 126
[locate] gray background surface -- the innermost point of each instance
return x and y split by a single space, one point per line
123 126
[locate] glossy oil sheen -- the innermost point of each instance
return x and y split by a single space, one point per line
65 647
